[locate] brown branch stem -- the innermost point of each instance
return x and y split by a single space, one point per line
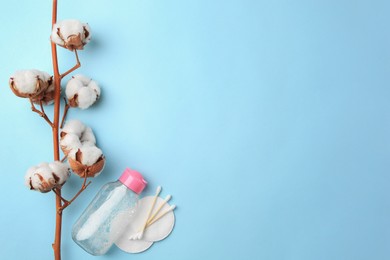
58 194
57 94
66 108
75 67
83 187
61 203
64 158
41 112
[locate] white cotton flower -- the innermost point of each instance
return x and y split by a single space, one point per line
42 178
60 171
79 144
82 91
46 176
88 137
90 154
88 159
27 178
69 142
29 83
75 135
73 127
46 97
71 34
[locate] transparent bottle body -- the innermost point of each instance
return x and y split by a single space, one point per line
97 228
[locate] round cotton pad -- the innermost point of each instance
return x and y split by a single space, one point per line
132 246
155 232
123 242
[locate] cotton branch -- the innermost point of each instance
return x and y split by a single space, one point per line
83 187
66 108
41 112
75 67
42 88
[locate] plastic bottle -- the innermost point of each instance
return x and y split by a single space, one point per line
106 217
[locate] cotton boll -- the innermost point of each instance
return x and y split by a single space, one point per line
46 176
72 87
86 155
26 81
87 160
73 127
82 79
69 142
75 135
44 75
78 143
93 85
46 172
88 143
60 171
86 98
29 83
71 34
82 91
46 97
43 165
43 180
40 178
70 27
27 178
91 155
87 33
88 137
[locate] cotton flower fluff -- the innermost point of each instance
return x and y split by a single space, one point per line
71 34
87 160
74 135
73 127
46 97
29 83
78 142
46 176
82 91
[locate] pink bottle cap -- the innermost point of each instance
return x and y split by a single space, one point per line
133 180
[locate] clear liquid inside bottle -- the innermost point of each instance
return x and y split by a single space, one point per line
94 230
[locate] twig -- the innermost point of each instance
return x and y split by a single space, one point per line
41 113
65 113
64 158
58 194
75 67
83 187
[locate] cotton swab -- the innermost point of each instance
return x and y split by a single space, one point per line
158 209
139 234
161 215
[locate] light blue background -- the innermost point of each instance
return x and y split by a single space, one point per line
268 122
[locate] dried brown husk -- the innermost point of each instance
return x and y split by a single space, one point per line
64 148
40 86
74 102
81 169
74 41
46 185
46 97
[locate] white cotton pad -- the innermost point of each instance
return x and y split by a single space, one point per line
133 246
156 232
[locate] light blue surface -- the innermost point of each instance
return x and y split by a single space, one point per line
268 122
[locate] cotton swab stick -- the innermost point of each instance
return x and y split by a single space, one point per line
161 215
139 234
159 208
